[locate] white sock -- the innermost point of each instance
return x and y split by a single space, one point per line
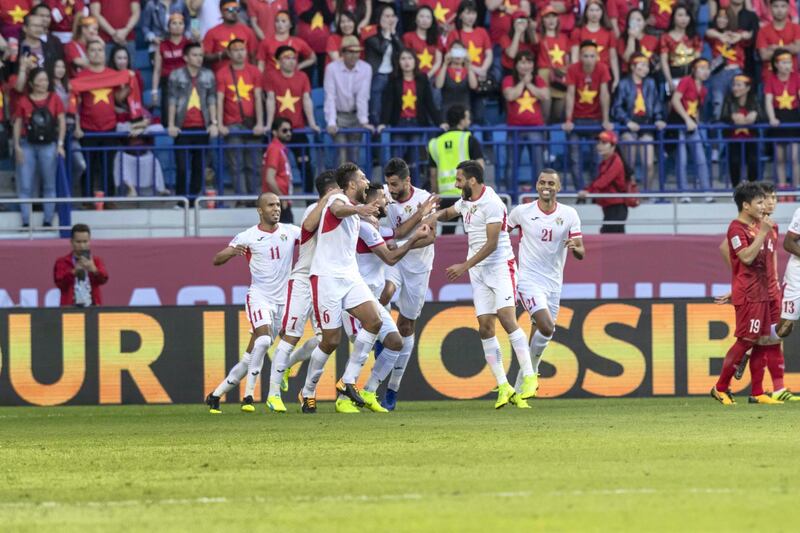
383 365
358 356
260 347
279 366
236 374
518 382
303 353
494 358
523 352
315 368
538 344
401 363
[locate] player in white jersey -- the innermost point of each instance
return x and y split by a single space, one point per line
547 230
790 308
336 285
491 266
299 308
411 275
269 249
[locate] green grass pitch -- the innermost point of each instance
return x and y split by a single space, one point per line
565 465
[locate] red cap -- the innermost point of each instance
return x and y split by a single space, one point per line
608 137
519 15
548 10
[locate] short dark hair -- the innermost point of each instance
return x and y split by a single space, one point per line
234 41
471 169
39 7
396 167
188 48
774 59
284 48
280 121
746 192
345 174
374 190
325 181
79 228
587 44
456 114
96 41
767 186
223 2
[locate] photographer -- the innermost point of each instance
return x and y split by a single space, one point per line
79 274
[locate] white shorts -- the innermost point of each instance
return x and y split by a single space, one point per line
412 287
352 326
493 287
261 312
332 296
790 306
299 309
535 299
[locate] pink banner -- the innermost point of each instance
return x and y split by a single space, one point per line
180 272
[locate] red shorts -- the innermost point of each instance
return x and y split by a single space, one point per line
775 309
753 319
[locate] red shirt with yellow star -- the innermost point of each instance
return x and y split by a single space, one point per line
692 98
680 52
218 37
768 35
567 19
661 11
194 112
587 89
505 43
408 108
117 14
288 94
500 21
426 53
268 47
553 52
784 93
734 55
247 79
477 42
525 110
171 55
603 38
316 32
444 11
264 11
618 9
63 13
11 14
96 109
24 108
647 46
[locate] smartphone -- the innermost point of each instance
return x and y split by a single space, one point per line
86 253
194 25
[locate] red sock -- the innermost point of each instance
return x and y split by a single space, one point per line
775 364
758 365
732 359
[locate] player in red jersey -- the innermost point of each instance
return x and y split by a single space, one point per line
747 242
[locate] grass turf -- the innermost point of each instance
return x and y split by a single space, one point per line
565 465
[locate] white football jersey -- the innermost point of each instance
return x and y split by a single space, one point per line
308 242
269 256
792 275
335 254
421 259
486 209
542 245
370 266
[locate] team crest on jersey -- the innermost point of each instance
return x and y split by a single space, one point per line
283 236
408 209
560 221
473 209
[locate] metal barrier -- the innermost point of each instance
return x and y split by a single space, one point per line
202 201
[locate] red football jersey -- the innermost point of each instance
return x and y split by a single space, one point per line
553 52
408 100
751 283
692 98
275 157
268 47
218 37
117 14
784 93
525 110
96 109
661 11
426 53
477 42
171 56
772 269
587 89
603 38
246 82
288 95
316 32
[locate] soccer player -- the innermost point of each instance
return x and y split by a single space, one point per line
747 236
548 230
298 299
411 275
336 285
269 248
491 266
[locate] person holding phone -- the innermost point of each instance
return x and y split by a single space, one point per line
79 274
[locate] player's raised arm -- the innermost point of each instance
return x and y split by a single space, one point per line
391 257
422 212
339 209
446 214
312 220
225 255
790 243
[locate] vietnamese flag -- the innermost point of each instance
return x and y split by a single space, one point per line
90 81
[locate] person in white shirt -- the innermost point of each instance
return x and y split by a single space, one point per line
269 249
547 230
411 275
299 308
491 266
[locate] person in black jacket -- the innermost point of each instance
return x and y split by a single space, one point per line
741 109
408 102
381 52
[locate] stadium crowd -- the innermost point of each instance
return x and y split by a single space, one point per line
246 71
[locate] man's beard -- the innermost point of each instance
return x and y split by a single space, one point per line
466 193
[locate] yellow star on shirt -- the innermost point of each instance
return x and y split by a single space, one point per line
785 100
646 53
225 43
638 104
664 6
18 14
691 108
741 131
317 22
459 76
287 101
425 59
101 95
525 102
587 95
474 53
726 52
243 89
440 12
409 100
194 100
556 55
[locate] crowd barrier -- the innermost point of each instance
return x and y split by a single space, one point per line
638 348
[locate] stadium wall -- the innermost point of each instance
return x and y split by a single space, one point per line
170 354
171 271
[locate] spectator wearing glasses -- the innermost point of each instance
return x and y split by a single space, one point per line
218 38
276 172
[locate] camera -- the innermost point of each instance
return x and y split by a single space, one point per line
458 53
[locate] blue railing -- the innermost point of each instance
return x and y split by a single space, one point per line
513 158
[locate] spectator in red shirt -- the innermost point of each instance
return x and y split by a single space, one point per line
289 90
728 45
588 101
80 273
594 26
687 101
86 31
217 39
168 57
679 46
12 13
618 14
262 16
240 109
613 176
521 37
37 147
781 33
782 103
362 9
63 14
501 17
283 37
346 25
117 21
658 19
456 79
444 12
423 40
52 45
565 9
120 60
552 59
479 51
634 40
276 172
314 18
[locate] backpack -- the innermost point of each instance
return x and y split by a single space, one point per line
42 126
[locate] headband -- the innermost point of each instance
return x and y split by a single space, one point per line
639 59
785 55
743 78
86 21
